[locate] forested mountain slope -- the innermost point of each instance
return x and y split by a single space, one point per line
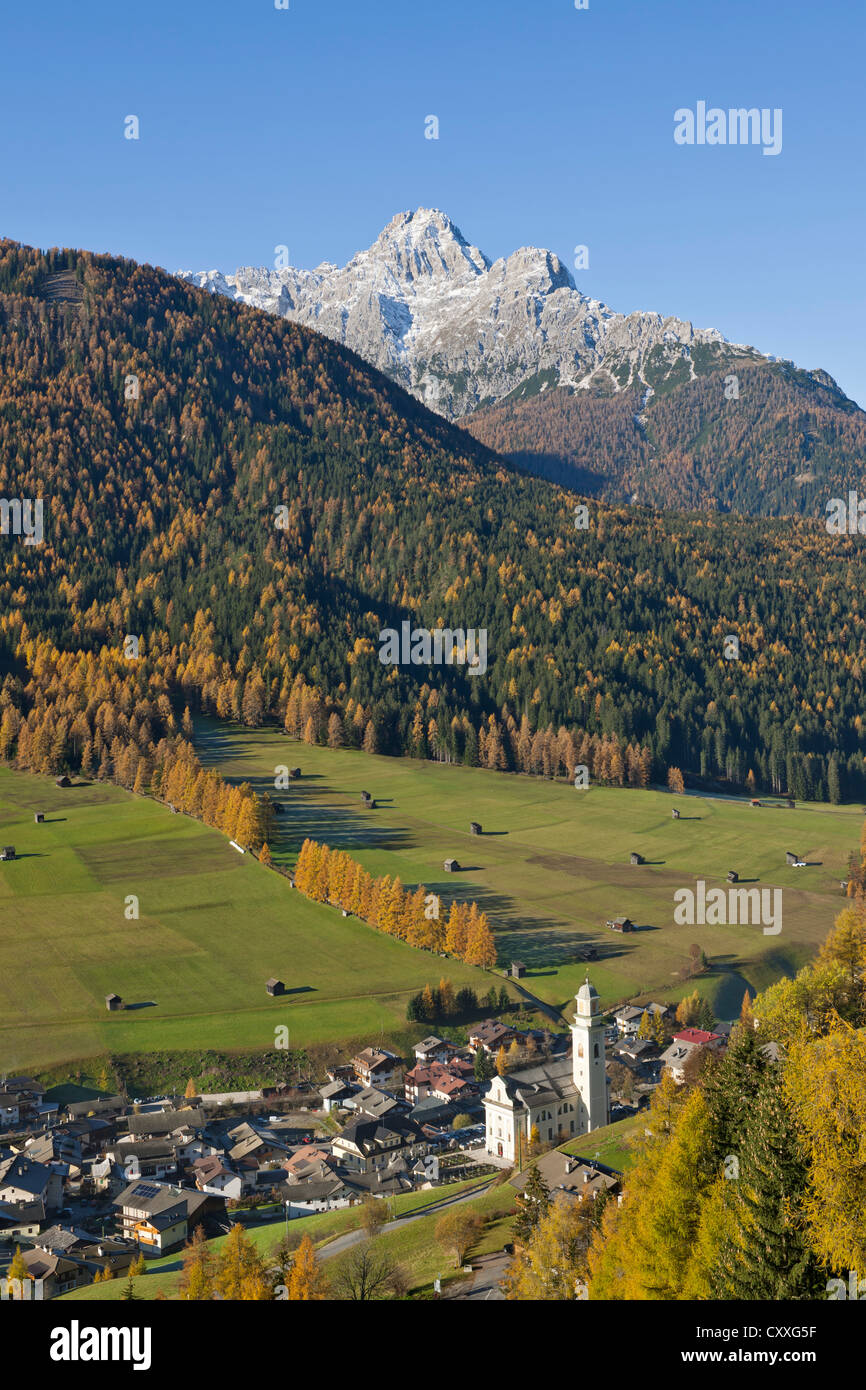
741 435
165 428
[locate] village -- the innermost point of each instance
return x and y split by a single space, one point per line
94 1189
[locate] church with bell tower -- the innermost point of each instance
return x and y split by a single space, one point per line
561 1097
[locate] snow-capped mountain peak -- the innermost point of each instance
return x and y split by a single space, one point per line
457 329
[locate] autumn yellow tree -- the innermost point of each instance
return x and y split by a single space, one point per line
552 1264
306 1280
239 1266
825 1086
197 1276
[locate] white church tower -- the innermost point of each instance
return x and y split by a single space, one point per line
587 1050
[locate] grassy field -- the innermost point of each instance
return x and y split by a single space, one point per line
550 868
553 863
213 927
610 1145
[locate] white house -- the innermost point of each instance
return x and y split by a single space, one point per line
628 1020
563 1096
676 1057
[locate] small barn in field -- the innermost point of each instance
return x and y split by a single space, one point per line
275 987
365 796
7 852
474 828
791 858
635 858
733 876
620 924
451 866
294 773
62 782
675 815
113 1002
518 970
39 817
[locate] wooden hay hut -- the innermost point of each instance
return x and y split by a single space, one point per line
451 866
275 987
474 828
113 1002
733 876
675 815
294 774
62 782
620 924
366 797
39 817
518 970
7 852
791 858
635 858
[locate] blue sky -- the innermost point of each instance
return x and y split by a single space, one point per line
305 127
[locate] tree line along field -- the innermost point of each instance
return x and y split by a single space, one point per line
213 927
553 863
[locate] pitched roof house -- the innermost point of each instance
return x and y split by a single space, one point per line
491 1035
375 1066
23 1180
368 1144
153 1215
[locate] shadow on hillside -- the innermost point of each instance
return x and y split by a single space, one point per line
304 817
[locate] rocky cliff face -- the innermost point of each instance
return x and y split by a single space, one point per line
461 332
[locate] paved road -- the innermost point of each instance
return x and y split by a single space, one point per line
552 1012
483 1287
336 1247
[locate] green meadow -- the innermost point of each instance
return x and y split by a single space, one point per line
553 862
551 866
213 926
